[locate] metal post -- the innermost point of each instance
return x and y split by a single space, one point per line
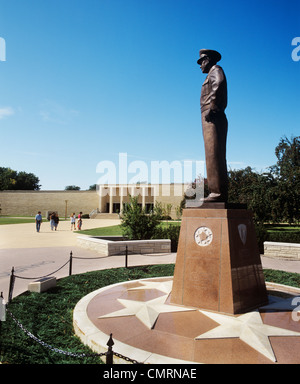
126 257
2 318
109 353
2 309
11 285
70 263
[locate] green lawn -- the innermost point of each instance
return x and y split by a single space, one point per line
282 228
49 317
115 230
16 220
4 220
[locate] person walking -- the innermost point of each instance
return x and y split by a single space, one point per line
79 223
56 220
38 221
73 221
52 216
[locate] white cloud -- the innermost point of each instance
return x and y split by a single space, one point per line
6 111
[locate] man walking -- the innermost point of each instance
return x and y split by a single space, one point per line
38 221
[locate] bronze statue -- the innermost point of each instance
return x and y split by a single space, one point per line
213 103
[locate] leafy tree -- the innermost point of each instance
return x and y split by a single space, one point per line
72 188
27 181
13 180
7 178
273 195
287 172
254 189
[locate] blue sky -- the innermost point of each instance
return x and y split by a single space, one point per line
86 80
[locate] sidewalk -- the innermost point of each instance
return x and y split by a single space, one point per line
280 264
35 254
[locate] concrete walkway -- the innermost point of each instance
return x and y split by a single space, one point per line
35 254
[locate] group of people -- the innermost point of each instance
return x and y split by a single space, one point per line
54 220
73 221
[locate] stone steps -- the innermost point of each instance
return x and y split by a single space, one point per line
106 216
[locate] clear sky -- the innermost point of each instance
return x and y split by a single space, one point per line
86 80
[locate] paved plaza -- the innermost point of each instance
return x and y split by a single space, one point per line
35 254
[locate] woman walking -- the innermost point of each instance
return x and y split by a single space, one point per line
73 222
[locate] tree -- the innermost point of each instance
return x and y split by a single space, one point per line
27 181
72 188
13 180
254 189
273 195
287 172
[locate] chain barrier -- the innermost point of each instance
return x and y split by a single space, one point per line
73 354
41 277
126 358
70 262
46 345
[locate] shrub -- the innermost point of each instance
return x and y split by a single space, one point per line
262 235
284 237
136 224
171 232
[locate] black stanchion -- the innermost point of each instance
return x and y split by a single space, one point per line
70 264
110 354
11 285
2 314
126 257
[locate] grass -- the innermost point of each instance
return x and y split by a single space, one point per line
281 277
16 220
282 227
5 220
116 230
48 315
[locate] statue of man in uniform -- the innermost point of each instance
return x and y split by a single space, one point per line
213 103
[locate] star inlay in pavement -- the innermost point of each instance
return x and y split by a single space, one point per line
163 286
249 328
146 311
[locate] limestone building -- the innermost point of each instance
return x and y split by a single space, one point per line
106 200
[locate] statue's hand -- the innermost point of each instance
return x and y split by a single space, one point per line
211 116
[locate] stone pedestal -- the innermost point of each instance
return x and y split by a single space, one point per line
218 264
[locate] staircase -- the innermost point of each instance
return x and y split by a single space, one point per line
106 216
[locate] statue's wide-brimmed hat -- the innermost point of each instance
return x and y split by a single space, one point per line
214 55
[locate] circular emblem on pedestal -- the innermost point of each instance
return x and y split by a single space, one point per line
203 236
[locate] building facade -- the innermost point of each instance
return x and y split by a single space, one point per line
108 199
